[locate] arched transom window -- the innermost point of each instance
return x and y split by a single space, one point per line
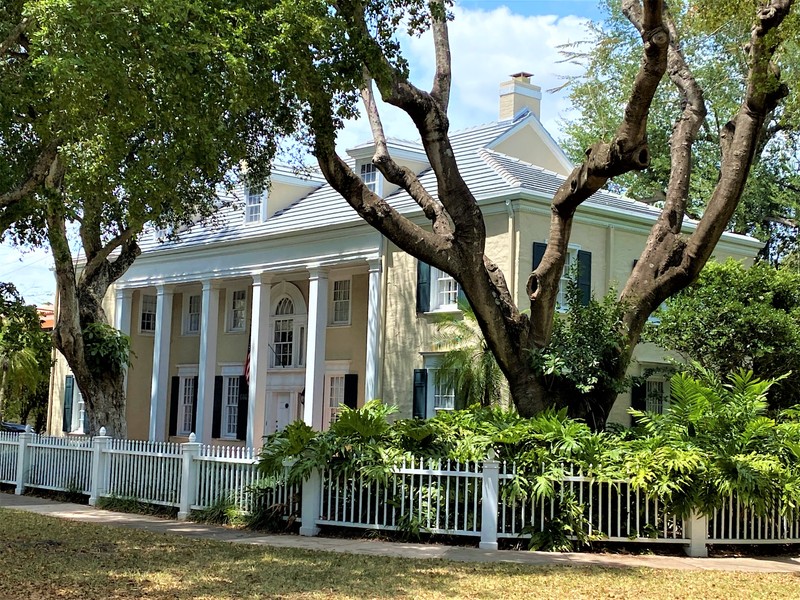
289 319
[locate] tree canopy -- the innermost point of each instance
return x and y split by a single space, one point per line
733 318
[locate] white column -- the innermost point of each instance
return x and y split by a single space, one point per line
122 311
372 379
159 387
122 321
209 326
315 357
259 359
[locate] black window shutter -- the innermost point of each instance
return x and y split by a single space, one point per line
351 390
69 391
216 419
173 405
423 287
462 297
194 405
585 276
241 415
538 253
639 395
420 393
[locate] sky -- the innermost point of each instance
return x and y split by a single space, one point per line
489 39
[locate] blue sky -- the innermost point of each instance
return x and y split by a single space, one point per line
489 41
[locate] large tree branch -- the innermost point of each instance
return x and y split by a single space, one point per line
99 256
669 263
401 176
441 44
627 151
36 177
14 38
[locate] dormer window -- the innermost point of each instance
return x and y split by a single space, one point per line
254 205
371 177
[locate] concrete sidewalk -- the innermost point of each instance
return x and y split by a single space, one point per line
87 514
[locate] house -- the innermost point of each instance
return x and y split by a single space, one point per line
292 306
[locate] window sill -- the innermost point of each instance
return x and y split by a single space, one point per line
147 333
235 331
339 325
446 310
191 334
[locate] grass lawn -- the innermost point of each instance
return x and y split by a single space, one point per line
46 558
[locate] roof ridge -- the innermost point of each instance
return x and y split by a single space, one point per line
487 157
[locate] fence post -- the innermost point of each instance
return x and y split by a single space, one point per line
696 526
311 496
100 446
23 460
489 502
189 453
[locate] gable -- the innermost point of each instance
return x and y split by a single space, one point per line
530 142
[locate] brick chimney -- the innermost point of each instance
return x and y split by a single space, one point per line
519 93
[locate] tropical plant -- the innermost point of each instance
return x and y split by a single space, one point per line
580 363
467 366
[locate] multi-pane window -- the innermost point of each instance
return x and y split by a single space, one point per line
238 310
335 397
186 407
283 337
444 397
253 205
444 291
657 394
147 323
561 299
341 301
447 288
193 314
231 408
369 175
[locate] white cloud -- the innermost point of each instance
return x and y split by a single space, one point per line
486 47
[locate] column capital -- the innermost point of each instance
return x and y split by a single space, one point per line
317 272
375 264
211 284
163 289
263 278
124 293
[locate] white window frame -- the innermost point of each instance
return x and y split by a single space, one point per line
186 374
571 260
348 300
231 374
371 177
230 313
142 313
299 319
444 292
187 314
335 370
436 391
254 211
655 401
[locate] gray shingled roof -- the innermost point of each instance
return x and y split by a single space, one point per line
487 173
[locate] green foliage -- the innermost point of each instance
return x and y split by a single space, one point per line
715 439
468 366
568 530
25 352
580 365
106 348
734 317
224 511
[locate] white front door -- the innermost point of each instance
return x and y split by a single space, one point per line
285 413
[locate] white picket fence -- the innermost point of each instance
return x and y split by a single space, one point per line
440 497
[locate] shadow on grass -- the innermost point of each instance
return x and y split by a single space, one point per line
48 558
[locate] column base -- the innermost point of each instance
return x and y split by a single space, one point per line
488 545
309 531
